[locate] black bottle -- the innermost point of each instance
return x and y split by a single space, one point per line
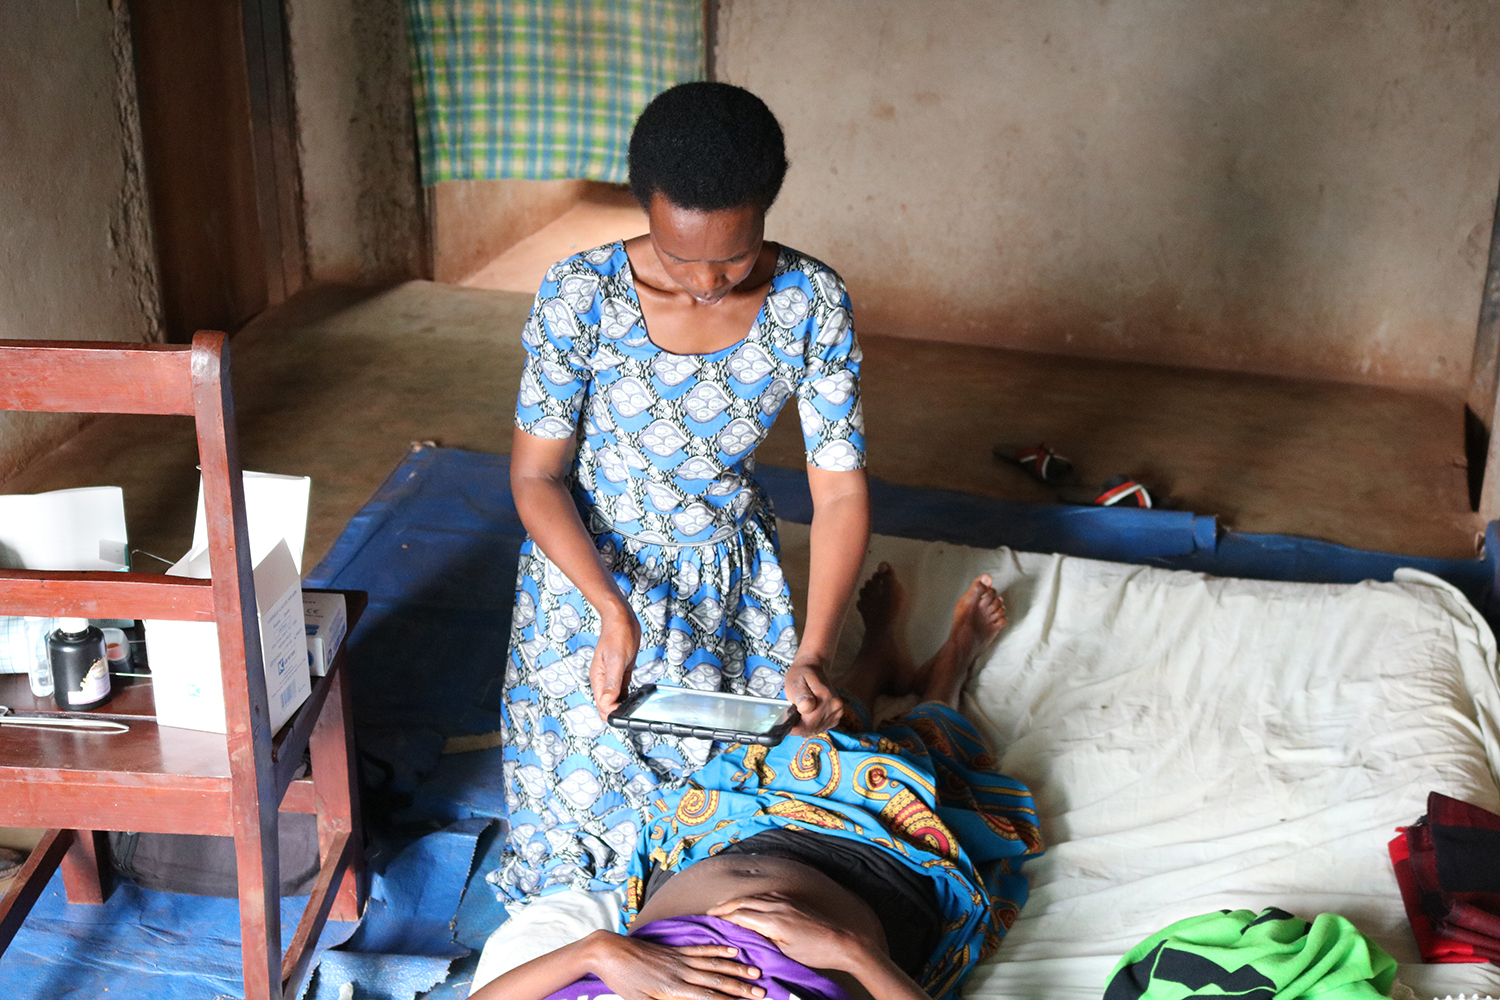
80 665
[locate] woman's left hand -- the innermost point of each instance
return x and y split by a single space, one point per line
807 687
797 932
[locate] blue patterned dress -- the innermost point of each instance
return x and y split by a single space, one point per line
662 479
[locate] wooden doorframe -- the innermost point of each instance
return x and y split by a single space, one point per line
273 128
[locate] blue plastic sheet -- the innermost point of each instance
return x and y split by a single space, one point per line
138 944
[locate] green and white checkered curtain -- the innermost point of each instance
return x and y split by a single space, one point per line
543 89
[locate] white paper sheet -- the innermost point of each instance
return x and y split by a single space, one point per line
82 529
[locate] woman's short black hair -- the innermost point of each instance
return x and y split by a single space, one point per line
707 146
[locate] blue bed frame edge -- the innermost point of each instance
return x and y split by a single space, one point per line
1166 538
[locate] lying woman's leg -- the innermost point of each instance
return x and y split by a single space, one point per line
884 665
978 617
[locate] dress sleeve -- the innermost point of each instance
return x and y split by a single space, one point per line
556 374
833 422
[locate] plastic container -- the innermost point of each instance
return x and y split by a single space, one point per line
80 665
117 648
41 670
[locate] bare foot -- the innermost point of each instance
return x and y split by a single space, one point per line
978 617
883 664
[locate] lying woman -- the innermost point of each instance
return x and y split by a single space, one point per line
855 863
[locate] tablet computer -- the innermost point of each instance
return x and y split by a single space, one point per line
708 715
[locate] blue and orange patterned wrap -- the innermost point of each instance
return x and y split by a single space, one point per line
923 788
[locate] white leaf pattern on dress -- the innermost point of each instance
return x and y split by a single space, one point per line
562 323
610 758
630 397
564 623
708 614
552 428
738 436
692 519
557 581
775 394
703 677
580 788
663 438
705 401
754 621
613 467
697 468
531 393
788 307
583 720
663 498
578 291
835 328
725 485
749 364
837 388
764 682
837 456
558 374
786 644
674 369
680 646
616 317
557 679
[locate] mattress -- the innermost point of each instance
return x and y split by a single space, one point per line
1197 743
1193 743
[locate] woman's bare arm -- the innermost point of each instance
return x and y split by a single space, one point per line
538 481
838 539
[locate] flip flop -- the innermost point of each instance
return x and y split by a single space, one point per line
1040 462
1117 491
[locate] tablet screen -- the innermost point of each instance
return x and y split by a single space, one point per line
711 710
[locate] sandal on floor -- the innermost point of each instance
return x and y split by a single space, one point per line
1040 462
1117 491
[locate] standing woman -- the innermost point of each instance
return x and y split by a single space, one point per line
652 554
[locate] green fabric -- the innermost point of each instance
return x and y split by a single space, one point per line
542 89
1270 956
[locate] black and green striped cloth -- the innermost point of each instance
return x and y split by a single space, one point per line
1267 956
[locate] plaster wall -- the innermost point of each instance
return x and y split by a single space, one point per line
356 141
473 222
76 257
1304 188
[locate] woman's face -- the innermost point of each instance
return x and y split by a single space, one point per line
706 253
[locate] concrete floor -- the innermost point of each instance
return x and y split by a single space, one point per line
337 384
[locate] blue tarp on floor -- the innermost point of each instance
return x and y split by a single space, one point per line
436 549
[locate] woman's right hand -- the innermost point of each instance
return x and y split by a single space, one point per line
614 657
641 970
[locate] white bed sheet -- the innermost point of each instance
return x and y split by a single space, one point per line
1197 743
1193 744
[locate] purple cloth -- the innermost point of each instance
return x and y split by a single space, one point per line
782 978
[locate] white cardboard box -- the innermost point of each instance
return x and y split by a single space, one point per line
327 620
186 679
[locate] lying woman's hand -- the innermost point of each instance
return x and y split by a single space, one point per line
807 687
799 933
641 970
